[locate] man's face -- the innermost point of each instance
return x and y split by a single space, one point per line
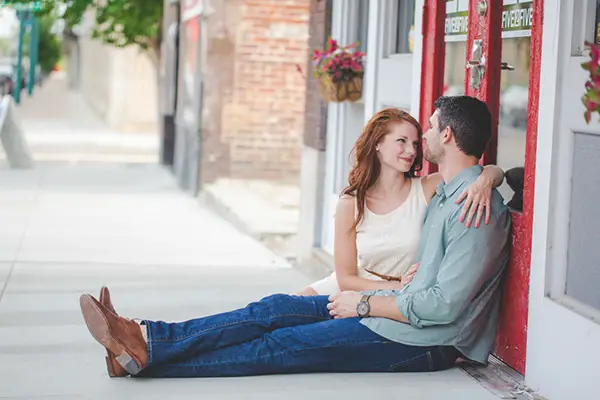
432 140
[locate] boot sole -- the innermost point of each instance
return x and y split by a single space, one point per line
100 330
113 367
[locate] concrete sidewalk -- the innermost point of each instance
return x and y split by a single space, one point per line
69 230
61 128
93 213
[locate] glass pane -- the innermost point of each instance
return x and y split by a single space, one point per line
583 274
514 92
456 47
363 24
454 68
404 26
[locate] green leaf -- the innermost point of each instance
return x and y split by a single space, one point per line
118 22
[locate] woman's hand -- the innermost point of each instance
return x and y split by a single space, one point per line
477 198
410 274
343 305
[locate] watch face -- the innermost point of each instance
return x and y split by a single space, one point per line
362 308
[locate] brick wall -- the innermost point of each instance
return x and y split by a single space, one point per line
254 99
315 123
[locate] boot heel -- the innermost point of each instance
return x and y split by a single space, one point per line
114 368
110 367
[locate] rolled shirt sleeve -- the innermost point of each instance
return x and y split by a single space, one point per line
469 260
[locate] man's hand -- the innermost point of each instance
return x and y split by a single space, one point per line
343 305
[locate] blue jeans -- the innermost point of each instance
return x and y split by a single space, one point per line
281 334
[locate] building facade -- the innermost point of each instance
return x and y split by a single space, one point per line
523 57
240 100
118 83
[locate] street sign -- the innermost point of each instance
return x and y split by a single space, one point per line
31 6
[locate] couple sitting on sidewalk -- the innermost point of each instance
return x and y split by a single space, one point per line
376 312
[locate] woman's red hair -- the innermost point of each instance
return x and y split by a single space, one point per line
366 166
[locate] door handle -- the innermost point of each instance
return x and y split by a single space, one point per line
476 65
506 66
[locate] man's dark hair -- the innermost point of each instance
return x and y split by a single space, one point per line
470 121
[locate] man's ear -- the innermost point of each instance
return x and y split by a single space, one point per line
447 135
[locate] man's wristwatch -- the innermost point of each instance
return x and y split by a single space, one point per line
363 308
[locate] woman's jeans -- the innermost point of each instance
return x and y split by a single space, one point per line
281 334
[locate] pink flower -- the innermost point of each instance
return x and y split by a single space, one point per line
591 98
332 45
588 116
595 52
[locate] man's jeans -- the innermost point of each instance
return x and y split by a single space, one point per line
281 334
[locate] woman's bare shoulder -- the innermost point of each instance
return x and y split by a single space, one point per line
430 183
346 204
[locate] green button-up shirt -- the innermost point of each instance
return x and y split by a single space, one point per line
454 298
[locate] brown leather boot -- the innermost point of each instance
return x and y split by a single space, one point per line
105 299
114 368
122 337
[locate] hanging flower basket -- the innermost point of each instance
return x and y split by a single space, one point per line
340 72
591 98
339 91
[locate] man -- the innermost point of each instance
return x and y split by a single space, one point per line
449 309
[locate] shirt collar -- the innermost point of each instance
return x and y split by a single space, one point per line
448 189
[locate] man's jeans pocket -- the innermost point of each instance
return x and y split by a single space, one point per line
433 359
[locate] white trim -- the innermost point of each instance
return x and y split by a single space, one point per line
562 345
455 38
516 34
195 9
374 54
415 101
336 122
389 77
505 35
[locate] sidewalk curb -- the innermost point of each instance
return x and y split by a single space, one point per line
277 242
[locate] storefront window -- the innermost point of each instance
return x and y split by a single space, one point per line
457 12
404 16
514 91
517 17
363 25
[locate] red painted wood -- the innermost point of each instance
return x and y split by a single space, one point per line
432 75
511 343
512 335
487 28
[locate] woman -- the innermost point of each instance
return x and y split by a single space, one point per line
379 215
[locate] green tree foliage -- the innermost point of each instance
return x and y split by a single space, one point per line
119 23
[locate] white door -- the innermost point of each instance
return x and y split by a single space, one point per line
394 36
344 120
385 29
564 313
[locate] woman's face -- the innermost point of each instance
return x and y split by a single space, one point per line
398 149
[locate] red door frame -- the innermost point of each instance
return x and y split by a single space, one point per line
434 51
487 28
512 335
512 332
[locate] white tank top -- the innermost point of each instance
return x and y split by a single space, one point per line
388 244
